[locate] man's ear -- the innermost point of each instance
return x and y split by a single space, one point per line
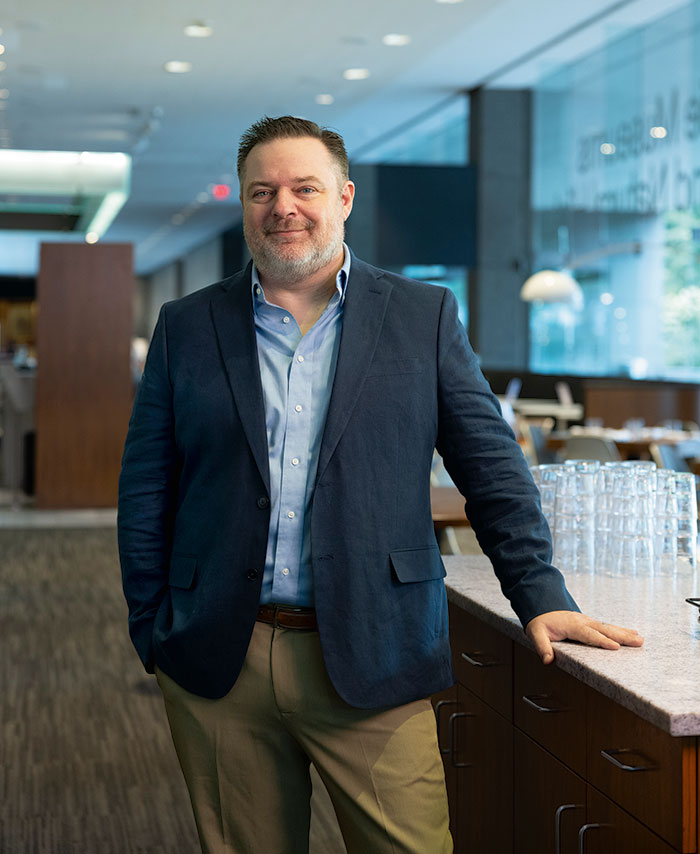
347 196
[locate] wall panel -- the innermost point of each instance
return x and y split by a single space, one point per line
84 387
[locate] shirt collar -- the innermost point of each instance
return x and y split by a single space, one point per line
341 280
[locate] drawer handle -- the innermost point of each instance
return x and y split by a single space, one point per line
582 835
439 705
535 702
557 823
611 755
453 718
480 659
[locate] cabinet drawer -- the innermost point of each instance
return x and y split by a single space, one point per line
482 660
550 801
609 829
648 772
550 706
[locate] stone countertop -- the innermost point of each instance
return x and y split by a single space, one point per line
659 681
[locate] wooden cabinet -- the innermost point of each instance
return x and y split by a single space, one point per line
538 762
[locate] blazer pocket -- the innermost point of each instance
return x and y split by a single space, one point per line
392 367
182 571
417 564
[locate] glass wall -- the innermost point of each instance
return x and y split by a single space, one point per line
440 137
616 200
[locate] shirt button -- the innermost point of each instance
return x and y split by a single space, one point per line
285 571
263 502
291 514
285 320
295 462
300 358
252 573
297 408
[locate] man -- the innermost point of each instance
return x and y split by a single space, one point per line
275 531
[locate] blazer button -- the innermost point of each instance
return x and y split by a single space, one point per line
252 574
263 502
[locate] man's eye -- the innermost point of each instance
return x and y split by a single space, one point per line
308 190
259 194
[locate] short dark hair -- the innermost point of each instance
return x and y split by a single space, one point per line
288 127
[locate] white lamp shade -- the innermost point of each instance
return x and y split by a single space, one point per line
551 286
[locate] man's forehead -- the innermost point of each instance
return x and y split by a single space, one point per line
306 156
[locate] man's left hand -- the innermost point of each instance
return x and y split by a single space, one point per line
571 625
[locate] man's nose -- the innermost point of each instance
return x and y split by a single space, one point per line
285 203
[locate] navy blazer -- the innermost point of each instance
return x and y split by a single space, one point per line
194 492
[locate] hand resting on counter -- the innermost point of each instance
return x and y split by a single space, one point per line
571 625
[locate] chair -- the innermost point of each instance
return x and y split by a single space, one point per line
591 448
676 456
535 440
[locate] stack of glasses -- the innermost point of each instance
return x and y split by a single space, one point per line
622 518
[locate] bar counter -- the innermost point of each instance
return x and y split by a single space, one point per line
660 681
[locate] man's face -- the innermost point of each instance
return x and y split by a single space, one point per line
294 208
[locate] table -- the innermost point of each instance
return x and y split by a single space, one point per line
448 513
631 445
535 408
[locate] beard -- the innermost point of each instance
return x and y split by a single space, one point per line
290 261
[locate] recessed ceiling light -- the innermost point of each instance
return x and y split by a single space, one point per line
92 237
324 100
448 1
356 73
2 49
396 39
202 198
3 65
178 66
198 30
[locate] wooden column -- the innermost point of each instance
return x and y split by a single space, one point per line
84 386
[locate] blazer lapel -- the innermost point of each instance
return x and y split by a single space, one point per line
232 314
366 299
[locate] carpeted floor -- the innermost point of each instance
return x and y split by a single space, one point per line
86 761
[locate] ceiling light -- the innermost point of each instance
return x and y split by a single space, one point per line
178 66
396 39
2 49
658 132
92 237
356 73
324 100
607 148
198 30
448 1
3 65
202 198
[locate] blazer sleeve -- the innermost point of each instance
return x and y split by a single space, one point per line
147 495
486 464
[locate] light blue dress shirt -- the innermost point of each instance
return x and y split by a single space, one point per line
297 378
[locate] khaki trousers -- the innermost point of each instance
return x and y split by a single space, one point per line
246 758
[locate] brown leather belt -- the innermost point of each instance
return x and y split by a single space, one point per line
288 616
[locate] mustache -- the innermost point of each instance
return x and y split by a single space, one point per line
296 225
